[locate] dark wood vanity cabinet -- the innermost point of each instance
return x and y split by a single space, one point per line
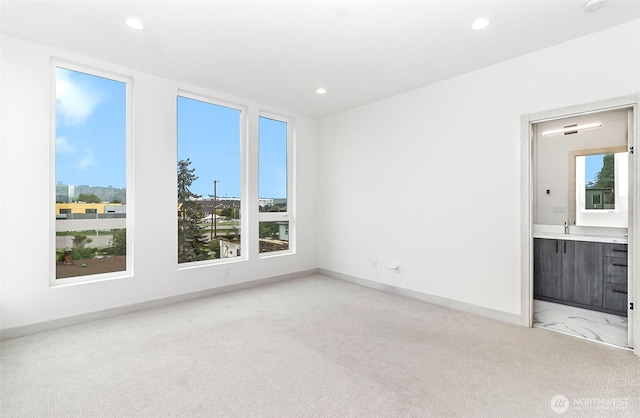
547 269
591 275
614 270
582 283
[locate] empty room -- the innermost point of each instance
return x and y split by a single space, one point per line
319 208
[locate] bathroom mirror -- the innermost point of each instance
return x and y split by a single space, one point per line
598 194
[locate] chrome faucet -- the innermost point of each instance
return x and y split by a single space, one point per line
567 224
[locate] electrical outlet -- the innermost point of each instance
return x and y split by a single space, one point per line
225 272
374 264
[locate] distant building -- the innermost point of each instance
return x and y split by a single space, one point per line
115 208
283 230
65 193
68 210
229 249
600 199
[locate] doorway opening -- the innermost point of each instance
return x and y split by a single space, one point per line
579 188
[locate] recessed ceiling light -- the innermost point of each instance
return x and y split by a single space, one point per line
593 5
321 91
342 11
134 24
480 24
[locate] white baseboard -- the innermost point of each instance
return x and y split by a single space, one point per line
21 331
425 297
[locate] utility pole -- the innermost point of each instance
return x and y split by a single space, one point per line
214 218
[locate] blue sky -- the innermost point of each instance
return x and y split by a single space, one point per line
592 166
90 130
91 139
272 167
209 135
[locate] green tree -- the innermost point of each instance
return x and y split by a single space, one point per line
82 253
269 230
214 247
79 241
192 245
118 245
79 251
605 178
227 212
88 198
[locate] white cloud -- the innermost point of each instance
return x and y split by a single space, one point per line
63 146
87 160
74 102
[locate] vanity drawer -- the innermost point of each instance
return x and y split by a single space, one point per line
614 270
615 297
614 250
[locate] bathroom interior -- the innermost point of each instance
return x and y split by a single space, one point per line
581 197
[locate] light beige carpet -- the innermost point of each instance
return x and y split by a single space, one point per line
313 347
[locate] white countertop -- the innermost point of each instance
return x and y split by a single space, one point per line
579 237
577 233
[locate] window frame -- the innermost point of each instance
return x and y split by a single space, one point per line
129 86
289 215
193 95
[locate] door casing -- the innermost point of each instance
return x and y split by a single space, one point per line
526 200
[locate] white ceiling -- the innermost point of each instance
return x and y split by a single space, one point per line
279 52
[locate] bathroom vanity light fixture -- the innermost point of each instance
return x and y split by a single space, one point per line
572 129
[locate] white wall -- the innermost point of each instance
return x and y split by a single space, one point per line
430 179
26 218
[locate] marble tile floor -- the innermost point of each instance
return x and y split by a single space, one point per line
583 323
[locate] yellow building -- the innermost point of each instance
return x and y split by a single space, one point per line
66 208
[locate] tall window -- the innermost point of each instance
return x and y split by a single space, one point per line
90 174
209 181
273 185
